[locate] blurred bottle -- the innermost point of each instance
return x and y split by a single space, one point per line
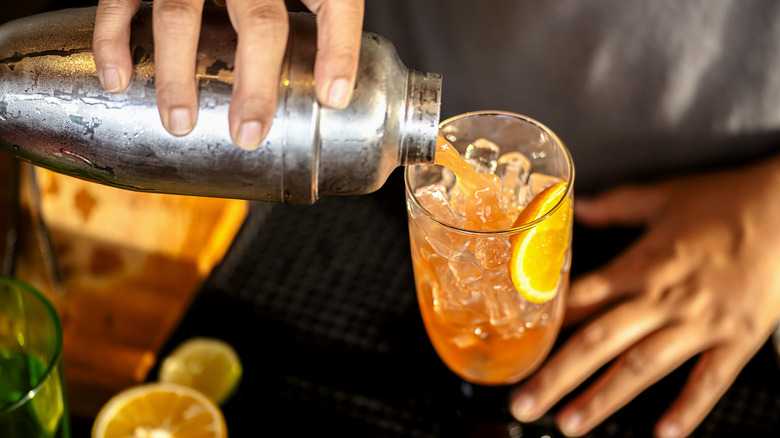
54 113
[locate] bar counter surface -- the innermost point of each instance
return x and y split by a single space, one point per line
320 304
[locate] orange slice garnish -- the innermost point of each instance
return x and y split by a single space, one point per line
538 253
160 409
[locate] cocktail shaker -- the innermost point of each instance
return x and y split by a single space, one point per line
55 114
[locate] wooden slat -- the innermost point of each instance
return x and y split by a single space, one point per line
130 263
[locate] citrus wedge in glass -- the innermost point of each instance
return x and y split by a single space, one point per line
538 253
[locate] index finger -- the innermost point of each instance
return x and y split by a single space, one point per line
262 27
111 43
584 354
176 25
339 31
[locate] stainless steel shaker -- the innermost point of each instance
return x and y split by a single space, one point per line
54 113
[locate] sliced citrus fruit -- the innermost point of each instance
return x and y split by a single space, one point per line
539 252
160 410
207 364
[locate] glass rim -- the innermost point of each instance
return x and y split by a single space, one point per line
56 358
513 230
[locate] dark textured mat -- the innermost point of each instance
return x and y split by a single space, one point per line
319 302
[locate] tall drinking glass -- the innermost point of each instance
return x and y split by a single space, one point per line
32 392
480 325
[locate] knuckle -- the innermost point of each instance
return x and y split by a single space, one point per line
345 56
265 18
670 297
259 104
174 7
710 313
686 296
174 92
114 8
699 301
111 16
103 44
665 276
176 15
707 379
746 325
653 257
593 336
637 361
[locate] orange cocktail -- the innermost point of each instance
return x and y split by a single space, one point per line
489 229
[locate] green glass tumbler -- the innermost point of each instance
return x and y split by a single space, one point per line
32 386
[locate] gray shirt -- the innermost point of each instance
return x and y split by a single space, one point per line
635 88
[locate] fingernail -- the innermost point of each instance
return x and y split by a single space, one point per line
111 80
180 121
523 407
669 430
570 424
339 94
249 135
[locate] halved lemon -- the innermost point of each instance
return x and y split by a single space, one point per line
538 253
160 409
209 365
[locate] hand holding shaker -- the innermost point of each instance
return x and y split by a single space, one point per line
55 114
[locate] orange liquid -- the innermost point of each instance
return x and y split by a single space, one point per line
490 359
483 211
465 339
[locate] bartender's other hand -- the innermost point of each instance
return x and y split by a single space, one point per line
262 27
702 281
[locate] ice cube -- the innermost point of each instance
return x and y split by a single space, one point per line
537 314
514 165
425 252
465 266
441 239
504 306
540 181
465 340
458 202
448 179
440 244
433 199
501 305
492 252
482 154
449 298
448 283
513 169
448 308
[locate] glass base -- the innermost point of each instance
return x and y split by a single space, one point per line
483 411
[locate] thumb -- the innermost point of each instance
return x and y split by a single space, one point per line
627 206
